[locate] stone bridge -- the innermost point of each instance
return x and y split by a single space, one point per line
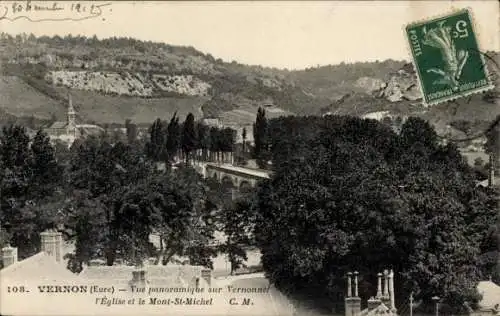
239 178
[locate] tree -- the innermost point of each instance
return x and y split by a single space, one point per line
214 135
240 151
62 152
353 195
91 167
417 131
46 173
260 136
29 186
174 137
17 216
237 226
189 140
156 147
227 139
490 248
181 215
132 223
131 130
14 144
244 138
203 140
87 224
108 186
244 134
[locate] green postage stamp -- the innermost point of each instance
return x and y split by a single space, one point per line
447 57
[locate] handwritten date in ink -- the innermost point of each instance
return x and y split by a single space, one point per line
37 11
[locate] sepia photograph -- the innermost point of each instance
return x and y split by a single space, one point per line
279 158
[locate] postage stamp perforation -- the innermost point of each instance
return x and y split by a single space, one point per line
463 95
417 70
433 18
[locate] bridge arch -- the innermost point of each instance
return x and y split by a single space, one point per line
245 186
228 187
227 181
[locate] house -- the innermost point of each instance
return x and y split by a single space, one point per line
68 131
382 304
51 289
212 122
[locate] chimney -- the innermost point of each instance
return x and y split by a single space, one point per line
139 276
386 283
206 274
349 289
356 284
392 306
9 256
385 289
380 293
52 244
352 303
139 279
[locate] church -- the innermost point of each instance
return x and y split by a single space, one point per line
68 131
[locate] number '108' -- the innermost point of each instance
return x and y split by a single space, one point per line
16 289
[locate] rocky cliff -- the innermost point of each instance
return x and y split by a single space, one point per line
139 79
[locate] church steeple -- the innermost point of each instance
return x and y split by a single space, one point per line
71 117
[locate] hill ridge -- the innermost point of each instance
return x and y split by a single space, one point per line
120 78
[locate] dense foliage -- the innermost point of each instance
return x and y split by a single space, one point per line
346 194
109 197
29 177
189 140
350 194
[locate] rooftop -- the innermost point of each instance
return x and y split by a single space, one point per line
491 294
40 267
381 309
485 183
58 124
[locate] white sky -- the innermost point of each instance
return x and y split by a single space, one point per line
280 34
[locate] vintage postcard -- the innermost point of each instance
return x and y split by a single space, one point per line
249 158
